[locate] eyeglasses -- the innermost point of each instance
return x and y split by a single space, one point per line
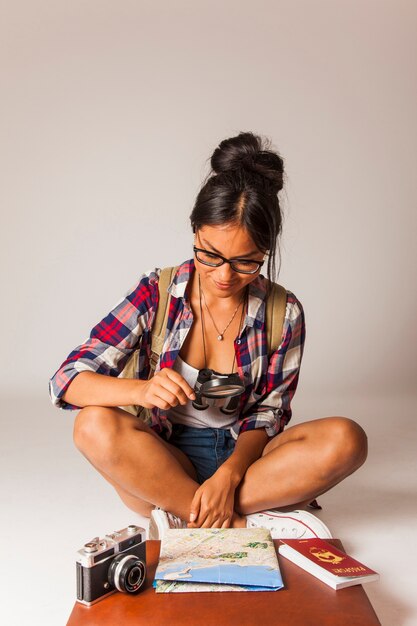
242 266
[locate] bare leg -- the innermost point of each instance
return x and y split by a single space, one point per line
296 466
138 505
143 468
301 463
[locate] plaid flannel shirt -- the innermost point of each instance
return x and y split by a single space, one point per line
269 384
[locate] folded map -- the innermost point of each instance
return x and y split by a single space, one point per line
217 559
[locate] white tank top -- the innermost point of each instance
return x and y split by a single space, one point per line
186 414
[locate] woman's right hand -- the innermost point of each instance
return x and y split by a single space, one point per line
164 390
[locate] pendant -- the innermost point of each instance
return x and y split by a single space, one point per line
220 337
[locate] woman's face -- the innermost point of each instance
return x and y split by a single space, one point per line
232 242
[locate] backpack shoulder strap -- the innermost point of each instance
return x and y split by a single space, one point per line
274 316
161 318
157 341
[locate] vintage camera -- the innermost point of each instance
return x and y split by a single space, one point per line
115 563
221 390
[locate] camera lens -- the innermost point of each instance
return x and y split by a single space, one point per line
134 576
127 573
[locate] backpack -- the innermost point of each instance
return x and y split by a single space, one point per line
274 317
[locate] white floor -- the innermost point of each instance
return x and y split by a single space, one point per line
53 501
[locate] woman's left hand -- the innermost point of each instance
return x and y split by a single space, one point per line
213 502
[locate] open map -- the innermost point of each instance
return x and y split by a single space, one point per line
217 559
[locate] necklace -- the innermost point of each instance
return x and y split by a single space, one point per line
202 321
220 335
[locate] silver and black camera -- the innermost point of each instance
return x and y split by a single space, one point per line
220 390
115 563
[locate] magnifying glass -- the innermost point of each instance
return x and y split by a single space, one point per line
211 385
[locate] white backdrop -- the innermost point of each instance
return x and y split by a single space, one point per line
110 112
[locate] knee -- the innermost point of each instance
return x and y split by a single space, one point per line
94 434
348 444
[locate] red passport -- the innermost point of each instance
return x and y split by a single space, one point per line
323 560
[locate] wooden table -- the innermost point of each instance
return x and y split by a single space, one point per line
305 601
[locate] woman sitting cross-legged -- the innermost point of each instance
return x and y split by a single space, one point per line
227 461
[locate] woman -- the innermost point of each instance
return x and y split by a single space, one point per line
210 468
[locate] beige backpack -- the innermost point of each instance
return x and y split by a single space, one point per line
275 313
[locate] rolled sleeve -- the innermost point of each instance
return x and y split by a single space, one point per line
272 410
111 341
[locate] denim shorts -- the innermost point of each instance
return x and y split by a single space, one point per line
207 448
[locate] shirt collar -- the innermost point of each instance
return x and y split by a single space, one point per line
256 296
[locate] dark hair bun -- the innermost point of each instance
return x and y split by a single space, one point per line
252 154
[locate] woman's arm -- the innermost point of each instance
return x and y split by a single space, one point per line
249 447
213 502
272 411
164 390
106 352
90 388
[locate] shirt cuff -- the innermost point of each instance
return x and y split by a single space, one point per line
56 393
270 420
